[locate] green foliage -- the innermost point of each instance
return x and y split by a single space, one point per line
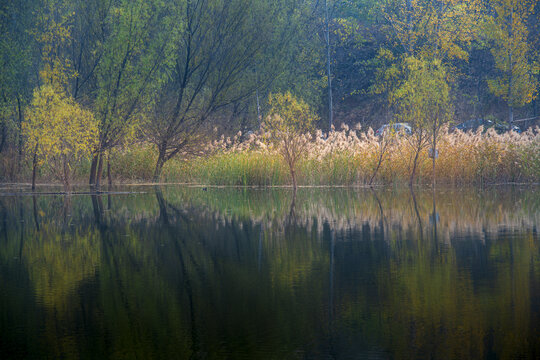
53 34
424 28
16 49
423 101
289 122
288 114
57 130
507 34
131 53
423 98
166 72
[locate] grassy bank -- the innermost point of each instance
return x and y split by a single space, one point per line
343 158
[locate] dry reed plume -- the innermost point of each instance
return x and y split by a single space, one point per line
350 157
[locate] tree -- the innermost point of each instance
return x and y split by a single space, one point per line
289 122
134 42
432 28
207 69
423 100
16 60
328 72
294 56
425 29
384 145
506 30
58 132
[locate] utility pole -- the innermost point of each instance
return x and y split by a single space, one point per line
330 111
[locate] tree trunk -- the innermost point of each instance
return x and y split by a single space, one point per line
381 155
414 167
97 206
93 167
409 26
433 167
3 137
511 70
99 173
434 152
292 208
20 145
109 176
67 209
328 73
259 116
293 175
36 215
162 206
159 166
66 174
434 217
415 205
34 168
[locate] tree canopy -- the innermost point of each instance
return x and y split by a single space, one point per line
167 72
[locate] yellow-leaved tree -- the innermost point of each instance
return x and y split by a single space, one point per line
58 132
289 123
439 32
507 33
432 28
424 101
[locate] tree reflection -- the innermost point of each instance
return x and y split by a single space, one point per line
256 274
35 211
97 206
382 220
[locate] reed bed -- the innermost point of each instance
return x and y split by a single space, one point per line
349 157
346 157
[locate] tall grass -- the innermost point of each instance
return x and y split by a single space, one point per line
348 157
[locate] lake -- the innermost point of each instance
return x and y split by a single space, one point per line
185 272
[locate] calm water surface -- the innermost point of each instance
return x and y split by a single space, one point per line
177 272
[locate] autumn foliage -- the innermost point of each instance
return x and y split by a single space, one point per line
59 133
349 157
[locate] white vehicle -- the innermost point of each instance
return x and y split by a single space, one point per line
396 128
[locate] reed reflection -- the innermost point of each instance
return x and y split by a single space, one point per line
181 272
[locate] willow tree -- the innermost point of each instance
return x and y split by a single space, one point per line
506 30
135 36
213 51
423 100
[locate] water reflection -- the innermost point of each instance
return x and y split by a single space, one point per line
185 273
